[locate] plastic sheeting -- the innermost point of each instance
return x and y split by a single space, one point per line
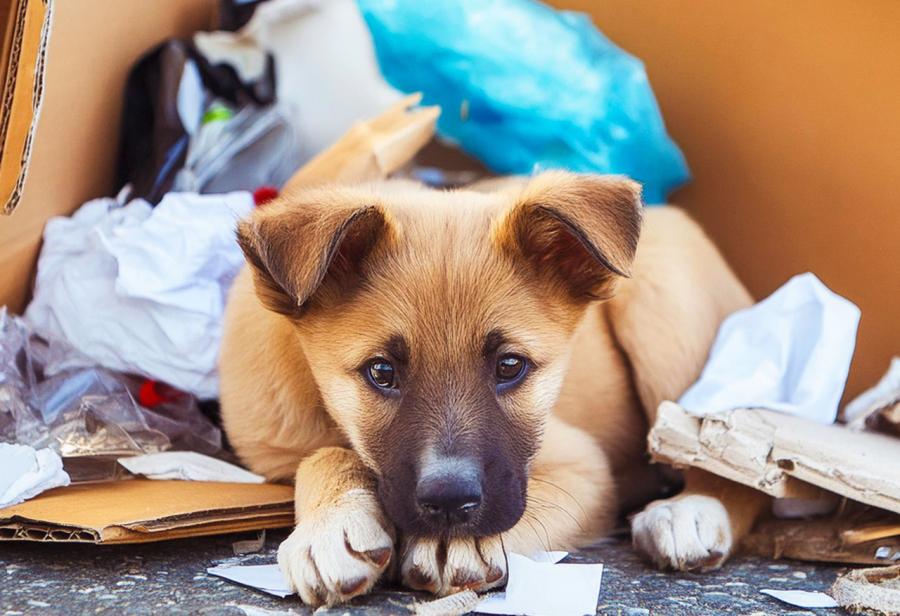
525 87
53 397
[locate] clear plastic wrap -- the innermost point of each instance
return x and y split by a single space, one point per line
49 399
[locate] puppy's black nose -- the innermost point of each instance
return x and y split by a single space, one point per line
450 489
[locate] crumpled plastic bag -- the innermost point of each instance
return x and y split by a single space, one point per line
53 397
525 87
142 290
210 122
790 352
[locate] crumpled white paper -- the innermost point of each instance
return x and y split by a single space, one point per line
140 289
187 466
26 472
790 352
266 578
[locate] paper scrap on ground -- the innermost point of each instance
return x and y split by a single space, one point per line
546 589
187 466
28 472
801 598
266 578
790 352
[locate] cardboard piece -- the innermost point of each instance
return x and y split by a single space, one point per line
373 149
139 511
23 69
770 451
852 538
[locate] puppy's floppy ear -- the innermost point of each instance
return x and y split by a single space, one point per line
293 247
578 230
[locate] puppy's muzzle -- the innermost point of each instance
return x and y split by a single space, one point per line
449 491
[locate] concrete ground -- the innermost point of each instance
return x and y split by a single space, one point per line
171 578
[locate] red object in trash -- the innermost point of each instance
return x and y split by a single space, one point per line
153 393
264 194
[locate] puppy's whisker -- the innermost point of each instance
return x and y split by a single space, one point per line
564 491
550 504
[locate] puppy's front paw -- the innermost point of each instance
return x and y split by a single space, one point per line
339 551
447 566
684 533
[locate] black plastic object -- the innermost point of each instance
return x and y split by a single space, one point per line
154 142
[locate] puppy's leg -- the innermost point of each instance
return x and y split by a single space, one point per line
699 528
342 542
571 498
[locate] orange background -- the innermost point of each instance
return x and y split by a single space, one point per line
789 116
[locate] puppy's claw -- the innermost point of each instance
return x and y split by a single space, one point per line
460 564
684 533
338 552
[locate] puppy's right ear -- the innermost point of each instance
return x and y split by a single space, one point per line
295 249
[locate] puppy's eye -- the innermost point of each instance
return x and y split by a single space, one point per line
381 373
510 369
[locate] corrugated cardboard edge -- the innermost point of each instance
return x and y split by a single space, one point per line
22 94
778 453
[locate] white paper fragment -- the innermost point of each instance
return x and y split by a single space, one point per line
885 393
801 598
28 472
546 589
187 466
142 290
266 578
790 352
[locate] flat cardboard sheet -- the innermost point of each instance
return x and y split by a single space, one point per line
142 510
768 450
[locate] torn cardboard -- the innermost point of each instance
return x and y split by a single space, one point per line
23 70
142 510
864 537
869 591
771 452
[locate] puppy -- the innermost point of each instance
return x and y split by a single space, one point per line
448 376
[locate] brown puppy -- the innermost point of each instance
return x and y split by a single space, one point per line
451 375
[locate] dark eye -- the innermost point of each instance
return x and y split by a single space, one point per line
510 368
381 373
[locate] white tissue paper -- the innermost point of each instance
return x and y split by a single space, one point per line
790 352
28 472
140 289
187 466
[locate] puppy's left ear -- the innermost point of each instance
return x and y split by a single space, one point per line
580 231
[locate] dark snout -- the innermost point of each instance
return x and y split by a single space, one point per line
449 491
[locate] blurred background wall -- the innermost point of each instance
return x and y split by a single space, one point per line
789 116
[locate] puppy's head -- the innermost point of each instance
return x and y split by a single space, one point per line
437 325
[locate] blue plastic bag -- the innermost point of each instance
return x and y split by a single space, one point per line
524 87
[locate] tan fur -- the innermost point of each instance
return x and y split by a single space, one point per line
294 406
